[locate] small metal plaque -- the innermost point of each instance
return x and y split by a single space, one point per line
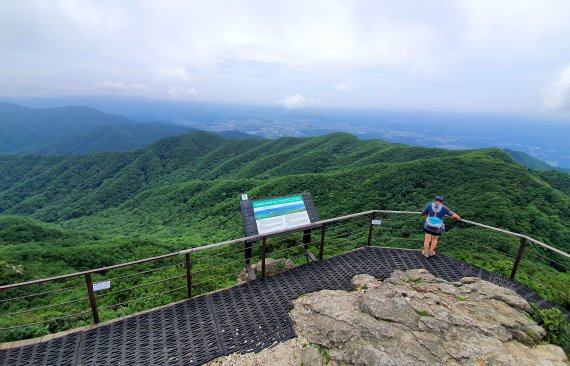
244 197
101 285
376 222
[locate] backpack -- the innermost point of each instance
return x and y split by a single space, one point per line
434 223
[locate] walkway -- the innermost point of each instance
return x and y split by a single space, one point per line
243 318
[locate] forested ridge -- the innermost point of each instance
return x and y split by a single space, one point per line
180 189
61 214
74 130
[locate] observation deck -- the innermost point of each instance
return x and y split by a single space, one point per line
209 319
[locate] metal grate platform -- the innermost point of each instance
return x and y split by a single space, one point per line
243 318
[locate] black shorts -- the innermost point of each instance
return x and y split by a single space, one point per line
427 231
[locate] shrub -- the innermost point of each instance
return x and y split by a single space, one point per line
556 325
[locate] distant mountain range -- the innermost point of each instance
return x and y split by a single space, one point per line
81 130
530 162
74 130
538 136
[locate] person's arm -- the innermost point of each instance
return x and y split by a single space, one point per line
452 214
425 211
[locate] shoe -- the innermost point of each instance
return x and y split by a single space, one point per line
425 254
432 253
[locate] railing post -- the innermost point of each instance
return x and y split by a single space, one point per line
248 252
189 275
518 259
370 228
92 301
263 252
322 246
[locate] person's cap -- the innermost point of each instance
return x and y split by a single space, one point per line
439 198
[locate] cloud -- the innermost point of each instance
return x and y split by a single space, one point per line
177 72
557 92
296 101
458 55
178 92
122 86
343 86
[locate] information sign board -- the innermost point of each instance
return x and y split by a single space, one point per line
280 213
266 216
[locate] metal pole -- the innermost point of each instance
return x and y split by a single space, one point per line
518 259
248 252
189 275
92 301
263 249
322 246
306 242
371 227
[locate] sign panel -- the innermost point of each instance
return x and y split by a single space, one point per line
98 286
280 213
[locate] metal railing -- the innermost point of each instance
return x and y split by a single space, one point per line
33 308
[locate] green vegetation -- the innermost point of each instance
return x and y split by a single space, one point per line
413 280
423 313
533 163
460 298
71 213
324 354
74 130
556 325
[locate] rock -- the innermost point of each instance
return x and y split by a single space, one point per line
413 318
364 282
272 266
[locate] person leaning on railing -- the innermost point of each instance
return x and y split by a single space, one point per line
434 226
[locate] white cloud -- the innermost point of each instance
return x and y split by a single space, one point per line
344 86
177 72
557 92
296 101
463 54
178 92
122 86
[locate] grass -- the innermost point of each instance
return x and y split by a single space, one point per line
423 313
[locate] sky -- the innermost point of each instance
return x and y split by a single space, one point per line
508 56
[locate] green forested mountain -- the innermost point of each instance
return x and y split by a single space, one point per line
533 163
61 214
74 130
181 187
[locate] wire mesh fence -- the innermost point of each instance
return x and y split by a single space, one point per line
59 304
540 269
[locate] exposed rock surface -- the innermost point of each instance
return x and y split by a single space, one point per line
272 266
411 318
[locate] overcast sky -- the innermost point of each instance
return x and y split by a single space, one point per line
474 55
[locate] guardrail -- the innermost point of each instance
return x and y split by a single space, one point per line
34 308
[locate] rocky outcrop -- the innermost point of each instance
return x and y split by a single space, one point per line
411 318
272 266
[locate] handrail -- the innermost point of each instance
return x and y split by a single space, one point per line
538 242
261 236
185 251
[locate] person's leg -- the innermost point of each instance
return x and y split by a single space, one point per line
433 244
427 241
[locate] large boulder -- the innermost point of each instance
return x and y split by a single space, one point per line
413 318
